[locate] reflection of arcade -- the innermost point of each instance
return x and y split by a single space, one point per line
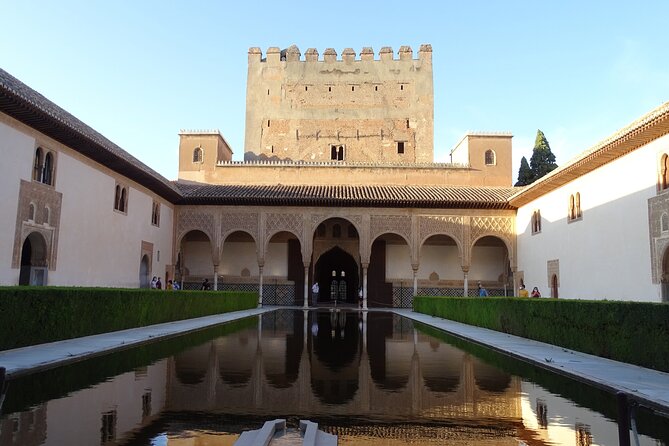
329 363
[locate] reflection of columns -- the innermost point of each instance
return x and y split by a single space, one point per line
515 280
416 384
364 372
364 285
215 277
465 271
467 384
415 279
260 268
306 287
212 377
257 394
304 380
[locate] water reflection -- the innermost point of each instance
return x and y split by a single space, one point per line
373 378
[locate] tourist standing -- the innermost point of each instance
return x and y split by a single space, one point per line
153 283
315 289
205 285
169 286
482 291
522 292
159 284
535 292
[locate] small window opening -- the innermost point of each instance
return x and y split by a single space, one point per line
268 123
376 88
197 155
352 88
320 231
407 123
664 222
46 215
267 92
336 231
402 87
329 88
337 153
490 158
400 147
31 212
306 88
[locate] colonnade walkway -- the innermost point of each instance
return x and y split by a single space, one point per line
649 387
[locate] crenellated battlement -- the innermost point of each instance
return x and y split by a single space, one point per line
348 55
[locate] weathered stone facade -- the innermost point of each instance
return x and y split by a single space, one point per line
360 110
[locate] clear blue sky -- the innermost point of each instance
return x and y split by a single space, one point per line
139 71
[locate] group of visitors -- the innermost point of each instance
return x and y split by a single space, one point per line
522 292
157 284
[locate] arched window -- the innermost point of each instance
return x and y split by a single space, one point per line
663 182
664 222
197 155
336 231
490 158
155 214
123 200
117 198
320 231
337 153
571 215
351 232
577 205
47 214
31 212
536 222
47 172
37 168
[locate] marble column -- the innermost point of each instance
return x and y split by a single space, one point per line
364 285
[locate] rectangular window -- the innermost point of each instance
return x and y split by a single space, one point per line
108 429
400 147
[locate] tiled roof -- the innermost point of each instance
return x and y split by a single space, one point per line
30 107
352 196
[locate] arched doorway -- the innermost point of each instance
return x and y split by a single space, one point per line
336 261
283 270
336 272
440 271
554 286
490 266
195 259
33 260
390 274
144 272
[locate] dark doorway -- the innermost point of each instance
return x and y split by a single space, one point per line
336 265
33 261
554 286
144 272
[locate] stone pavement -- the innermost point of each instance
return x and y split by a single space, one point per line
21 361
649 387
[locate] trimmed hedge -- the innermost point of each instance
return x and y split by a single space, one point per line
35 315
632 332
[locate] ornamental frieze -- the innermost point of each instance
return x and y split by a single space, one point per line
242 221
498 226
398 224
449 225
284 222
190 220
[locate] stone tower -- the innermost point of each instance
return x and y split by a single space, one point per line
334 110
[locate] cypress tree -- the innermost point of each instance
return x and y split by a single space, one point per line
525 174
543 160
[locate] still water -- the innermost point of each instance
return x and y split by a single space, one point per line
371 378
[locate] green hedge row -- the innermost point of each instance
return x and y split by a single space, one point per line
632 332
35 315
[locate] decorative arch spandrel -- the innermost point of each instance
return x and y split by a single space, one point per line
195 220
449 225
500 227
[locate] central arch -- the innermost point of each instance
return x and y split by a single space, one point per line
332 268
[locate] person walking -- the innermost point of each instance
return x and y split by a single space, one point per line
482 291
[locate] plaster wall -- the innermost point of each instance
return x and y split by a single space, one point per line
197 258
606 253
441 259
398 263
236 257
18 148
98 245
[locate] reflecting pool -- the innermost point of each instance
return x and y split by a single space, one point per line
372 378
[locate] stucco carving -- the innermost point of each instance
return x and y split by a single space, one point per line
189 220
247 222
284 222
45 220
398 224
499 226
440 224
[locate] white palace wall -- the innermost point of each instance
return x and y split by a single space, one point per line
17 165
96 245
606 253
